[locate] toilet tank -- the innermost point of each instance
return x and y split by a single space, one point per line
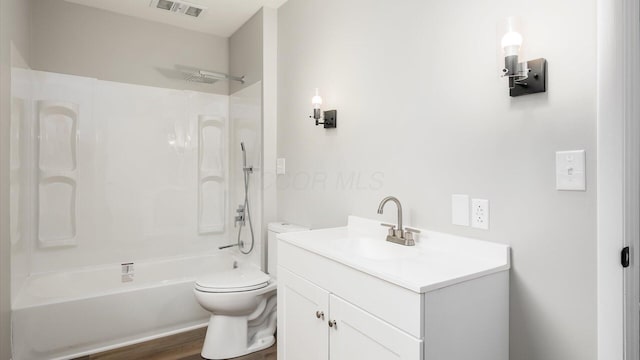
274 229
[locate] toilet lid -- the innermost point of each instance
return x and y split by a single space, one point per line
234 280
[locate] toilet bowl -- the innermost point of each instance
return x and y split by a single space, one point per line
242 303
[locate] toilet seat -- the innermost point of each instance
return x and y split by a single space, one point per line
234 280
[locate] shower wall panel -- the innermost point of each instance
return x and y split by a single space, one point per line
20 182
120 174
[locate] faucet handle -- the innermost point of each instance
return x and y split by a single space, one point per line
408 235
392 229
411 230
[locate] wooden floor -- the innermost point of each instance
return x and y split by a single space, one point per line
185 346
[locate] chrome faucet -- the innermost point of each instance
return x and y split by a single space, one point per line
399 235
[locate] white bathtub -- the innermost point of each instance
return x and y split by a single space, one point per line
71 314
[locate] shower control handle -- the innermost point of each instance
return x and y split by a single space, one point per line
320 314
240 218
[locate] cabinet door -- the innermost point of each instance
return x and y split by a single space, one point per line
302 319
358 335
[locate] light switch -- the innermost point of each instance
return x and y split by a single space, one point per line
570 170
280 166
460 209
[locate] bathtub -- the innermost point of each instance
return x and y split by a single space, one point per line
71 314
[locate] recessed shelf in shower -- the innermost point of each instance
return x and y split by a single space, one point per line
211 174
57 126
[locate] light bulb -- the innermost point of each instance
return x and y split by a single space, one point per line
512 39
511 43
316 100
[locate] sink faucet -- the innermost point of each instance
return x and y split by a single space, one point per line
399 235
398 205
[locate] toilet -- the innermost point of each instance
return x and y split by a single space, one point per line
242 303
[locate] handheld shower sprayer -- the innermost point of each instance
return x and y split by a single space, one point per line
243 214
245 168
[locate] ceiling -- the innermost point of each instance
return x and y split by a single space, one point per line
222 17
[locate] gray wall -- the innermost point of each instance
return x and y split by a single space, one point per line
245 52
14 48
79 40
423 114
253 53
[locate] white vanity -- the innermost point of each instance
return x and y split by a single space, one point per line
347 294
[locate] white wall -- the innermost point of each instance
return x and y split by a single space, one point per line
423 114
14 48
80 40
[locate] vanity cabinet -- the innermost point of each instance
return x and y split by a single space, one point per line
303 313
315 324
346 294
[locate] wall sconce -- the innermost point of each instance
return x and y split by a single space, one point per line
330 116
527 77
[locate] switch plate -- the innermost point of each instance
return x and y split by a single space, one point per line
460 209
570 170
280 166
480 214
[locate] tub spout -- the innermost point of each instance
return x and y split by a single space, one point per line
227 246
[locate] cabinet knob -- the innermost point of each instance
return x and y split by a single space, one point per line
320 314
333 324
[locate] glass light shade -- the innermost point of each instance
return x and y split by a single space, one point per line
512 39
316 100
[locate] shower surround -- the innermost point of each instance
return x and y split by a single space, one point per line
109 178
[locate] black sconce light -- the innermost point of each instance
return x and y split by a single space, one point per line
527 77
330 117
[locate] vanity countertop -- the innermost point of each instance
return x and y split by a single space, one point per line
437 260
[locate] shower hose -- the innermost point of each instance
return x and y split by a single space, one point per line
246 171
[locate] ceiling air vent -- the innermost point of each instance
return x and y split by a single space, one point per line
178 7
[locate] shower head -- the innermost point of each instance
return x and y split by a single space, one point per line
204 76
199 79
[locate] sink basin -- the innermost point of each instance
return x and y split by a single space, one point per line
373 249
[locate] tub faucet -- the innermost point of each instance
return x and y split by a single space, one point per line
230 246
399 235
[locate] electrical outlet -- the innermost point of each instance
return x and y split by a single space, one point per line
280 166
480 214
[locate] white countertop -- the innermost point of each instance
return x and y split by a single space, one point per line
436 261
